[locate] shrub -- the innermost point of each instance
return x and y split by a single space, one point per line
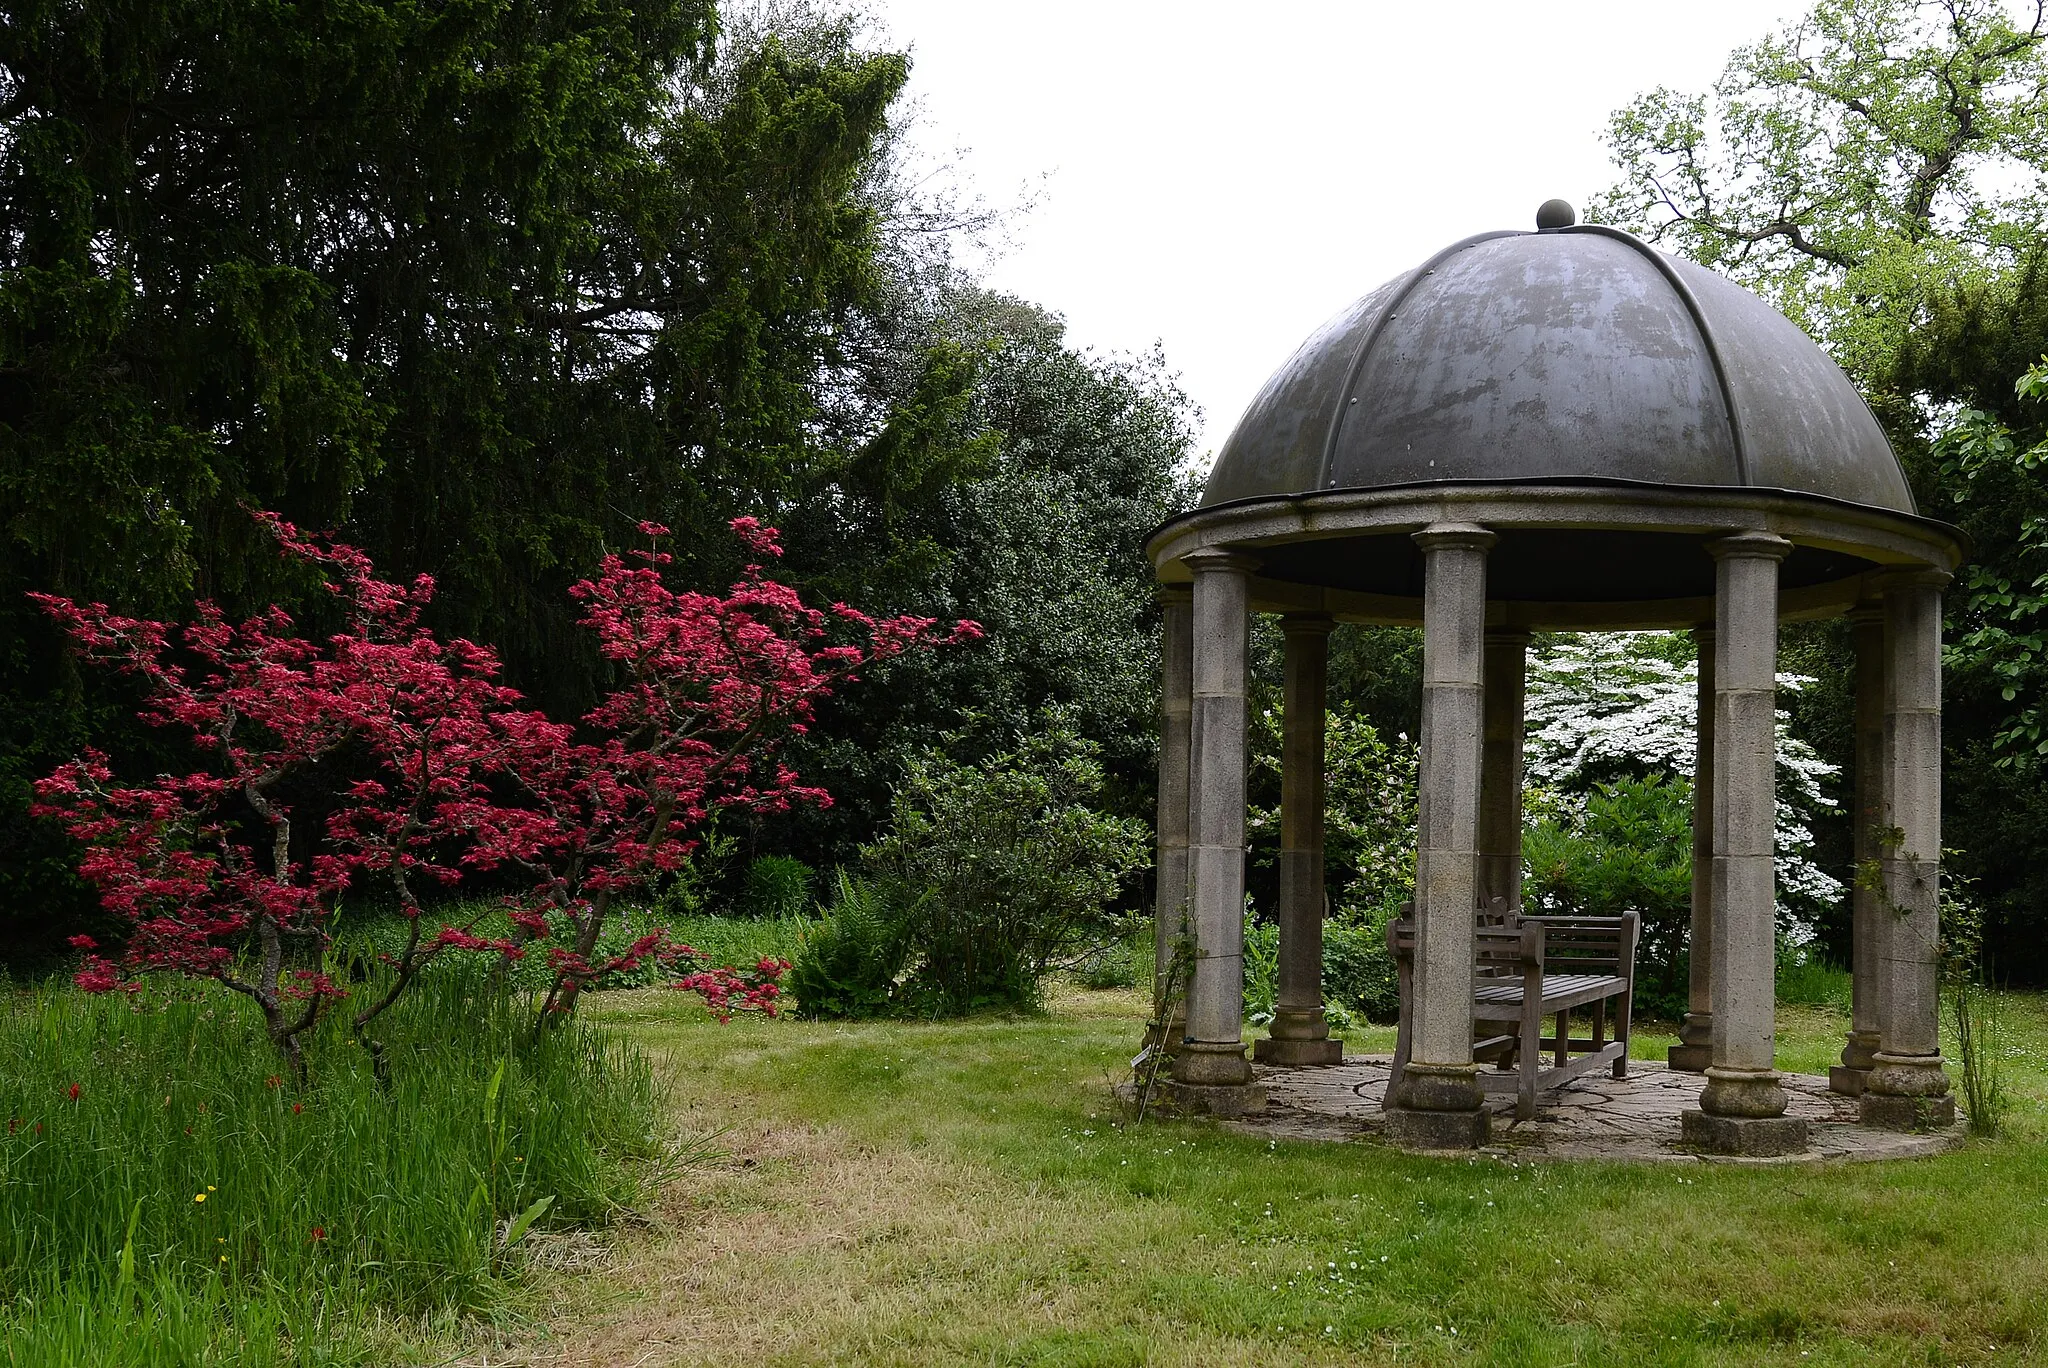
1368 807
777 887
1358 969
453 775
996 870
1629 851
847 963
1123 960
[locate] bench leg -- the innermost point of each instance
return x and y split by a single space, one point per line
1564 1036
1624 1009
1529 1055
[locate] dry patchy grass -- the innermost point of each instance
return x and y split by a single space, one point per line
899 1193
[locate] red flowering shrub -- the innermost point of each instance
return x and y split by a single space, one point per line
427 767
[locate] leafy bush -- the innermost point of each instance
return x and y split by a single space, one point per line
1630 850
1358 972
1368 807
1605 707
155 1141
846 964
777 887
996 870
1358 969
1122 960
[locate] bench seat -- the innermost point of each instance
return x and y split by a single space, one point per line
1526 969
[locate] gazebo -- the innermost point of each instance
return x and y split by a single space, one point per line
1557 430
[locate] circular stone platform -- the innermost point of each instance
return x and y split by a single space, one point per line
1591 1117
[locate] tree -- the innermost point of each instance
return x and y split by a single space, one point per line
426 768
1877 171
483 285
1873 151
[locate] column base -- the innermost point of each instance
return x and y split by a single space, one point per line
1748 1137
1439 1130
1852 1075
1211 1064
1168 1038
1689 1058
1743 1094
1298 1023
1886 1112
1847 1081
1907 1092
1695 1048
1222 1100
1297 1053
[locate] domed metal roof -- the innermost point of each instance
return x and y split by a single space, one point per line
1570 353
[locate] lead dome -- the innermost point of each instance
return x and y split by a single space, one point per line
1565 354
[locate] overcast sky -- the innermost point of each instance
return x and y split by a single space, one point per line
1222 179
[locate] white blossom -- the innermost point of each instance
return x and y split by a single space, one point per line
1605 704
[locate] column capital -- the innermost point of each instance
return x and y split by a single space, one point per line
1166 595
1750 546
1307 624
1868 613
1911 577
1507 636
1441 536
1214 560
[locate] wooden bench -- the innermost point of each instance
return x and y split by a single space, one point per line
1527 968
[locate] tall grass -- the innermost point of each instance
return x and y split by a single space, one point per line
190 1197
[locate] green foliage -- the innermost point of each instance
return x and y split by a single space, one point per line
1876 171
1358 969
847 963
996 870
1631 851
1368 813
1806 980
1976 1018
325 1207
1872 152
1122 960
777 887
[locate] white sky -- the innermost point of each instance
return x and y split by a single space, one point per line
1222 179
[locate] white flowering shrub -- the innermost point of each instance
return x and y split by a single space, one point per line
1610 706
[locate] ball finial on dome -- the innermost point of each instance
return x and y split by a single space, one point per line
1556 213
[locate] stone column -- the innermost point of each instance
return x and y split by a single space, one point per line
1210 1071
1299 1035
1907 1087
1742 1108
1866 926
1695 1047
1437 1103
1176 704
1500 767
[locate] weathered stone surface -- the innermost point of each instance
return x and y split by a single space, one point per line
1214 1052
1438 1130
1447 827
1298 994
1747 1137
1297 1053
1847 1081
1211 1064
1223 1101
1689 1058
1636 1119
1907 1113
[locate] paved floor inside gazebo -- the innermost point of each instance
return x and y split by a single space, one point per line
1592 1117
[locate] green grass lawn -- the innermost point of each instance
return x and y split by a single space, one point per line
901 1193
